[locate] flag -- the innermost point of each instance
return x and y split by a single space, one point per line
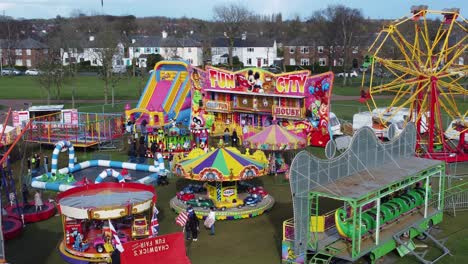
118 244
154 230
182 218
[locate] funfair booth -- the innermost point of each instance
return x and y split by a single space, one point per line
250 99
89 212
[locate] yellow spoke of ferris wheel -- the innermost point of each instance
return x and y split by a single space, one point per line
403 50
395 84
456 55
440 34
411 97
410 47
400 67
454 89
444 45
450 105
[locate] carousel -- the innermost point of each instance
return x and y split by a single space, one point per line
99 217
221 179
276 141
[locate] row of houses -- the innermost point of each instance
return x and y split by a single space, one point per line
250 50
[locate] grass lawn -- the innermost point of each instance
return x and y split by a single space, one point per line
256 240
87 87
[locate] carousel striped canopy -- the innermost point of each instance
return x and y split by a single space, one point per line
220 165
275 137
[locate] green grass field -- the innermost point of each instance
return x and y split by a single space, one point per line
248 241
86 87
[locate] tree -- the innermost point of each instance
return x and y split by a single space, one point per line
110 51
51 74
233 18
65 39
339 26
152 59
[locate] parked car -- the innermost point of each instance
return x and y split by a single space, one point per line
32 72
184 197
10 71
347 74
252 200
140 228
200 202
258 190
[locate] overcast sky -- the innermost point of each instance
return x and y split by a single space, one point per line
390 9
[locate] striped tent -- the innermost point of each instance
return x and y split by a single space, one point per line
220 165
275 138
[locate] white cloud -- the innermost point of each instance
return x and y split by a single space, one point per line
6 6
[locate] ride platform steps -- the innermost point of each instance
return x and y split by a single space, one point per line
421 255
324 256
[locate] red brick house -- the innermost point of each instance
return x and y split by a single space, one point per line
26 52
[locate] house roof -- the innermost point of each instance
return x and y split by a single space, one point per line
170 41
247 42
28 43
299 42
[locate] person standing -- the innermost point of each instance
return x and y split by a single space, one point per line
234 138
33 162
142 154
192 226
38 201
226 136
29 165
46 164
38 162
210 221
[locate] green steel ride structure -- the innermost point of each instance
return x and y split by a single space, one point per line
382 197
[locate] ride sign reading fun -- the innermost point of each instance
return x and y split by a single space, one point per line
163 249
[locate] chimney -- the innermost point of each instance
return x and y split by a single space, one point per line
244 36
91 38
164 34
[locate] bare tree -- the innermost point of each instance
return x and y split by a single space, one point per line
233 18
109 52
66 39
51 74
339 26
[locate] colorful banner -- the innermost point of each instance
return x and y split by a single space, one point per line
256 80
19 117
161 249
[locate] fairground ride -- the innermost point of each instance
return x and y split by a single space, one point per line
424 57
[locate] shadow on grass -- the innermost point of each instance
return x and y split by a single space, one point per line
42 240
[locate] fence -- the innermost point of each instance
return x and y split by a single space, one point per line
117 108
89 130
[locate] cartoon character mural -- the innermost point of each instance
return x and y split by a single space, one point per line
317 105
292 86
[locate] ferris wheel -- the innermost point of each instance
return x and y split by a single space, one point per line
418 63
